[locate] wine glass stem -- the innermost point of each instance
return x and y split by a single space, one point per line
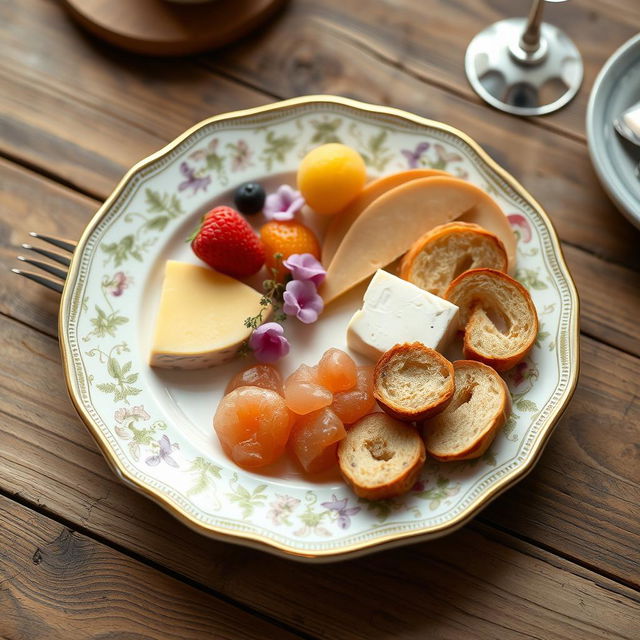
530 40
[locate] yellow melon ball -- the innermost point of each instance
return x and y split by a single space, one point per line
330 177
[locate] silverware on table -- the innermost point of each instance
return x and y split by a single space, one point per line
627 124
60 274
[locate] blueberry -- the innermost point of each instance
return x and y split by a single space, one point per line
249 198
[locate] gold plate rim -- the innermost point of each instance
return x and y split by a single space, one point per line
262 542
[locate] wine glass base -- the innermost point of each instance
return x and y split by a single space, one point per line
520 82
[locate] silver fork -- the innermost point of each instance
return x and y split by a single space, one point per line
62 259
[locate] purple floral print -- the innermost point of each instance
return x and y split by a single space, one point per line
192 181
414 157
164 453
340 508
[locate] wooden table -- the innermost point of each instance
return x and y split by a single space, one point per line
83 556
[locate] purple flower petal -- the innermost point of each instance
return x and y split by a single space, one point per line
301 300
335 504
192 180
268 342
170 461
165 445
304 266
412 158
153 461
283 204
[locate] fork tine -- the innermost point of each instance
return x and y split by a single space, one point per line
43 280
49 268
58 242
52 255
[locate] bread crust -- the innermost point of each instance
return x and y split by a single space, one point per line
477 447
394 485
408 414
499 363
449 228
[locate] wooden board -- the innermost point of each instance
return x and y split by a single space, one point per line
160 28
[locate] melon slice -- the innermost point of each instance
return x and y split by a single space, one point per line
342 221
391 223
489 216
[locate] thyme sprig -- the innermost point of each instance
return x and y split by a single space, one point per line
272 292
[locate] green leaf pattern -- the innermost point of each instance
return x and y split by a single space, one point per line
246 500
122 380
277 149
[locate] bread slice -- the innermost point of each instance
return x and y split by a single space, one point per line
380 457
480 406
448 250
498 316
412 381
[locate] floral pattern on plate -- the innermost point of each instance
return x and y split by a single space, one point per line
105 300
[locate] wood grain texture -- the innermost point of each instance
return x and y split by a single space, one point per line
57 584
428 38
118 109
162 29
581 501
85 112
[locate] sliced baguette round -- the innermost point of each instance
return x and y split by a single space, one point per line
448 250
412 381
380 457
480 406
498 316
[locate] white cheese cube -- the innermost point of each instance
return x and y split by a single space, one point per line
396 311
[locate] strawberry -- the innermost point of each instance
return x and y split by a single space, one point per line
226 242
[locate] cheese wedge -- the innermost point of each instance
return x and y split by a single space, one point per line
342 221
396 311
200 322
392 222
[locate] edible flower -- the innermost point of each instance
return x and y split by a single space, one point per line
301 300
268 342
304 266
283 204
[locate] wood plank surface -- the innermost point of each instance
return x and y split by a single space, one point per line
60 585
131 107
582 500
86 112
428 38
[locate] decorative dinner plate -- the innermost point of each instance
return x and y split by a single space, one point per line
154 426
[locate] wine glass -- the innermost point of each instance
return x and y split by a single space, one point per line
524 66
